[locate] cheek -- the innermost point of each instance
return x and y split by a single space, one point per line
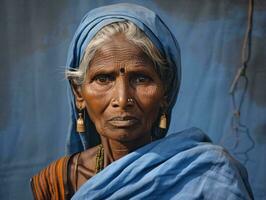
95 102
149 99
149 96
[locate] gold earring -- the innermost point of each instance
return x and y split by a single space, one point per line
163 121
80 124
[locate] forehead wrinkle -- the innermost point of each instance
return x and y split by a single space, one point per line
96 68
120 53
125 59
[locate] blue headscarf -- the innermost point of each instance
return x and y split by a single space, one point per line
154 28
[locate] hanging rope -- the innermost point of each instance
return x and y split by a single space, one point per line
237 126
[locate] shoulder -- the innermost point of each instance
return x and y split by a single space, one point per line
50 182
212 164
197 146
223 171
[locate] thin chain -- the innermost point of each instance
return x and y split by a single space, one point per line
99 159
76 172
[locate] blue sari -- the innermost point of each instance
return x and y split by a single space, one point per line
183 165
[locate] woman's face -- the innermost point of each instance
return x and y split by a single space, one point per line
119 72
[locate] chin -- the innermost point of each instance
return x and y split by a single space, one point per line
122 135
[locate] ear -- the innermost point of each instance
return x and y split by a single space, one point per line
77 91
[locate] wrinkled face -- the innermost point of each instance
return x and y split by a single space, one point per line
122 92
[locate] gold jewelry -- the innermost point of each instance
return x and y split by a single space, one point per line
163 121
99 159
80 124
130 100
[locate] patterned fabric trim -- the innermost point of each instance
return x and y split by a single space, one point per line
51 182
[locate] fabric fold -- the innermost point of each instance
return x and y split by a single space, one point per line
183 165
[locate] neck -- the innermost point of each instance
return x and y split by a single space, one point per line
114 150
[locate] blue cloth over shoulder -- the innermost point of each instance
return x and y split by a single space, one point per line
151 24
183 165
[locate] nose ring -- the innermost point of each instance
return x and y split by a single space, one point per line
130 100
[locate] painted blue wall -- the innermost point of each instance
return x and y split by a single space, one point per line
33 105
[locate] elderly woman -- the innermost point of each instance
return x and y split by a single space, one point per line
124 72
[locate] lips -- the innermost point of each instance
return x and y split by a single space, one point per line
123 121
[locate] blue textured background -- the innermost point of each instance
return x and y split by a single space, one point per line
34 39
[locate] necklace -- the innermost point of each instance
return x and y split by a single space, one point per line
99 159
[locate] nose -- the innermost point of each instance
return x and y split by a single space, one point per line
122 97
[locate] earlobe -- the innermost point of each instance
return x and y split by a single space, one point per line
79 100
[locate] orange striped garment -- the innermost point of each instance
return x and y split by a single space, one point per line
51 182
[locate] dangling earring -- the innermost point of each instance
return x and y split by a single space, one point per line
80 123
163 121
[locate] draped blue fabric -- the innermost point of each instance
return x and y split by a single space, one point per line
183 165
151 24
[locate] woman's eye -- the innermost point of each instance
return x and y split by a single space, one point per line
103 78
141 79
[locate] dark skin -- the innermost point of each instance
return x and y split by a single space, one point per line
119 71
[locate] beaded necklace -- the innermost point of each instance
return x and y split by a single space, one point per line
99 159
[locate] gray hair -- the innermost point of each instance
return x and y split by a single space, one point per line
132 34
